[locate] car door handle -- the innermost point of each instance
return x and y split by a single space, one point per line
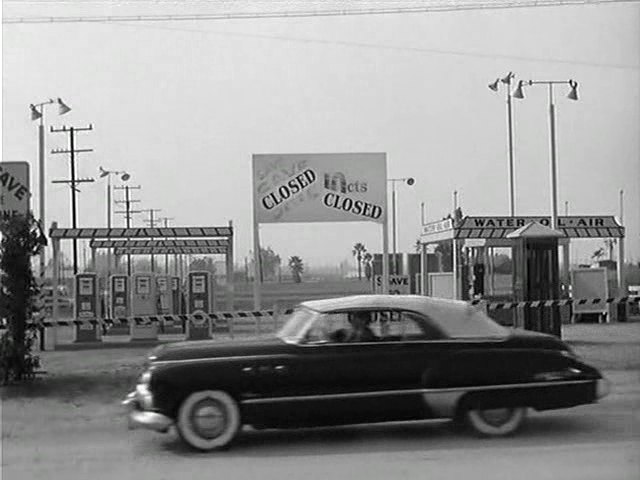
281 369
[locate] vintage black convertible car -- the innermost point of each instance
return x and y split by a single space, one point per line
361 359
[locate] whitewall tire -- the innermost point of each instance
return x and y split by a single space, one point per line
495 422
208 420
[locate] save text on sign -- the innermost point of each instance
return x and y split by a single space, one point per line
14 189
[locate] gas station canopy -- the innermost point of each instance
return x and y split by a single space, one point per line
175 232
499 228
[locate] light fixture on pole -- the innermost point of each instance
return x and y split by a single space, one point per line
124 176
409 181
37 113
572 95
494 86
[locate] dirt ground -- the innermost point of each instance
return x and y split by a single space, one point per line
77 401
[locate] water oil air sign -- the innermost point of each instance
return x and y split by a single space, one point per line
336 187
14 189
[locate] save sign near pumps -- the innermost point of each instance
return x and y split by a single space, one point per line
14 189
398 284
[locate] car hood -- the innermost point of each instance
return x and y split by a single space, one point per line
189 350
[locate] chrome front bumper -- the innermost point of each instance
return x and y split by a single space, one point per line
139 418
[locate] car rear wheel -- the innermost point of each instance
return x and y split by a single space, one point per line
208 420
495 422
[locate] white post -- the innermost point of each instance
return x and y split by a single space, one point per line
230 272
424 273
257 267
385 254
622 287
455 268
53 331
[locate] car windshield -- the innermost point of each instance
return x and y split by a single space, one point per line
294 328
468 322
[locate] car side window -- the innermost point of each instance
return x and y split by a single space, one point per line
403 326
325 327
419 328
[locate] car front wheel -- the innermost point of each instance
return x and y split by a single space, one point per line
495 422
208 420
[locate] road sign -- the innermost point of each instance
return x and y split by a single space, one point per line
398 284
14 189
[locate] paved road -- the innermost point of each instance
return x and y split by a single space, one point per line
600 441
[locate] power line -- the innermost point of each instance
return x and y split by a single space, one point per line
378 46
442 6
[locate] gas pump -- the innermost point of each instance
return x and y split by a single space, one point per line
119 296
86 307
165 297
165 304
199 301
143 303
536 276
120 301
175 295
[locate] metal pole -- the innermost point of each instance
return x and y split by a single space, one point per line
73 200
42 188
512 207
128 218
394 266
621 207
108 224
553 167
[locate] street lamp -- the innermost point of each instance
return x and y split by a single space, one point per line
572 95
494 86
409 181
124 176
37 113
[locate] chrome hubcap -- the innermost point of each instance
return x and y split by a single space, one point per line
496 416
209 418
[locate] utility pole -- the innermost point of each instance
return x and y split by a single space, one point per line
128 213
166 220
152 224
73 181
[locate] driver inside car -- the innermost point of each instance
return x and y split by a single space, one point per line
360 328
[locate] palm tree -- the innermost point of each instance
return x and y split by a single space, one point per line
368 269
358 251
297 267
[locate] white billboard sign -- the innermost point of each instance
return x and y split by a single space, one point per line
335 187
14 189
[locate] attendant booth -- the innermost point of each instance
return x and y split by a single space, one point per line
536 276
539 258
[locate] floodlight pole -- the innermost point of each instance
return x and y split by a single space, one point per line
37 113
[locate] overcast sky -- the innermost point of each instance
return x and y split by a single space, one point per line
182 106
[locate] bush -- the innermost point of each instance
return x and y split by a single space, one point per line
21 239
